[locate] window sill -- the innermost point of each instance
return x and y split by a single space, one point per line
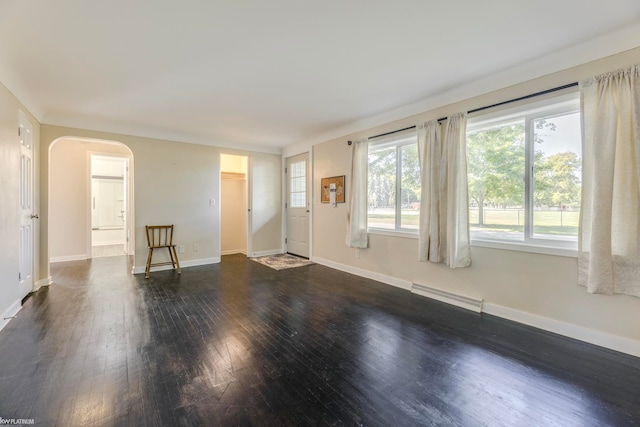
522 247
394 233
493 244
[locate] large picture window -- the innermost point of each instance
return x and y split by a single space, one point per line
394 183
524 173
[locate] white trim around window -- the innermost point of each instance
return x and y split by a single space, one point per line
532 237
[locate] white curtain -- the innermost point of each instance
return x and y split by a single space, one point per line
429 154
444 207
457 217
357 214
609 235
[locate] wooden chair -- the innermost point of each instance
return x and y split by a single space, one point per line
161 236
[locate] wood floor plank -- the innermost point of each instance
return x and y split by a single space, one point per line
237 343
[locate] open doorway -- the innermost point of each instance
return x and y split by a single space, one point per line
234 208
108 205
73 183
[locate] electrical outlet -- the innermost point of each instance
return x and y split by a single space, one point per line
357 252
181 249
196 247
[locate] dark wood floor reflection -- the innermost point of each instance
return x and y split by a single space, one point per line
240 344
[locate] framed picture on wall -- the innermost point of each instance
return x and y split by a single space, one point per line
325 184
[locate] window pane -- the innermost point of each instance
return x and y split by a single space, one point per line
382 188
297 185
410 189
495 162
557 176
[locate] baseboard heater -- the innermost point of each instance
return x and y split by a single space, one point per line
470 303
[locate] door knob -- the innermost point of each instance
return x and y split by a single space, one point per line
34 216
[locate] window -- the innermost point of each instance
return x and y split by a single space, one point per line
394 183
298 185
524 169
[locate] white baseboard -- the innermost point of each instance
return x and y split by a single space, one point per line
470 303
42 282
108 243
393 281
8 314
69 258
190 263
266 253
602 339
233 251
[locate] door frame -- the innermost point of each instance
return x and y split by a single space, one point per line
249 191
310 200
128 187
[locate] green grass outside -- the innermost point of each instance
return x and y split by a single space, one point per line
545 222
407 220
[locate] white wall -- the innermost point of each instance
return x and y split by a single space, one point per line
233 163
173 183
9 220
106 237
70 192
533 288
107 166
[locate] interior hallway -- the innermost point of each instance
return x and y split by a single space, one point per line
107 250
238 343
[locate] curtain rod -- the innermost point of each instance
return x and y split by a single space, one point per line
475 110
533 95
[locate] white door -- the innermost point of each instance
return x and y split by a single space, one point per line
126 215
25 209
297 205
249 206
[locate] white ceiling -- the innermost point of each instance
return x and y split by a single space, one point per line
267 74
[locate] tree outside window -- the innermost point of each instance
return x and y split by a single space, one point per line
511 201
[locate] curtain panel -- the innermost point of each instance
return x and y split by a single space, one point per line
357 214
444 207
457 225
431 238
609 233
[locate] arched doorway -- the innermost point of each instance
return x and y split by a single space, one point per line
90 199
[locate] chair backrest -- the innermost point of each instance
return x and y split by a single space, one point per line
159 236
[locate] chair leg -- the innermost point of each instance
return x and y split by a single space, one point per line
173 262
176 257
148 269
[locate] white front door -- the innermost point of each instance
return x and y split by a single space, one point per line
25 208
297 205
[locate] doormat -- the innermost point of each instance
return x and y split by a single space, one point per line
282 261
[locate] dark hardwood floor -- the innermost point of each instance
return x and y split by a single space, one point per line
238 343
